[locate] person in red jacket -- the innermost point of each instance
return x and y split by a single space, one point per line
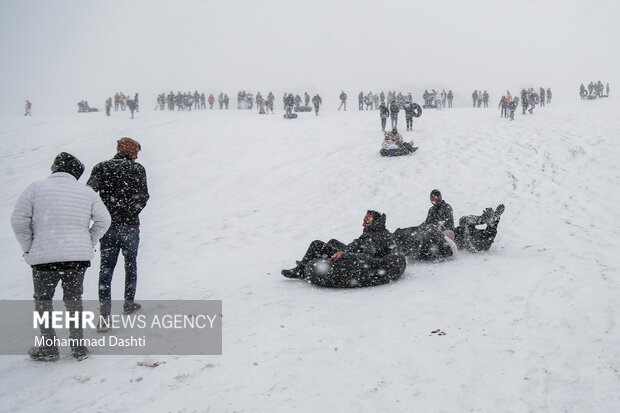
504 105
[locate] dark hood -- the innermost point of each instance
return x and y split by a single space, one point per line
378 223
65 162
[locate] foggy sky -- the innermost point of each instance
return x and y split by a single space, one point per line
56 53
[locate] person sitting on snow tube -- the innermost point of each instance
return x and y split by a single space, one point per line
393 145
434 238
369 260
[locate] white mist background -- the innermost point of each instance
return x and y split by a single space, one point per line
58 53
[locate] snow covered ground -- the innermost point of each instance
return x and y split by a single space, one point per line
530 325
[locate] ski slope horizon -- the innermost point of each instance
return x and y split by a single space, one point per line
236 197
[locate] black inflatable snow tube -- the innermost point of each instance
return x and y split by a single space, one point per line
346 273
394 152
417 110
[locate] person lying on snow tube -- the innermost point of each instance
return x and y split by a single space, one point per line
371 259
429 242
393 145
468 237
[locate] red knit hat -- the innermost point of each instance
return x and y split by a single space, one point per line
129 147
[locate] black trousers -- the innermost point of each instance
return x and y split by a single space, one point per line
45 282
320 249
409 122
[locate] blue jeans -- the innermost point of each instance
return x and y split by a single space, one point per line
118 238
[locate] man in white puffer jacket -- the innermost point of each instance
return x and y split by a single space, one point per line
52 223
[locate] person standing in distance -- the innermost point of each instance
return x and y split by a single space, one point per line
121 183
52 223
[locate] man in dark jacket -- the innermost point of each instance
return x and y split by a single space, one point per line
316 101
428 240
440 214
409 112
343 101
394 114
375 243
384 112
121 183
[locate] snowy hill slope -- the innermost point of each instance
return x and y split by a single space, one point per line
236 197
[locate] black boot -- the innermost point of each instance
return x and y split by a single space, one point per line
130 307
498 212
297 272
491 217
44 353
104 322
79 352
486 216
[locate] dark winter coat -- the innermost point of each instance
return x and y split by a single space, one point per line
394 110
121 184
409 111
441 216
375 242
514 103
384 112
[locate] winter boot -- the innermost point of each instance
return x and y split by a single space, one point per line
79 352
498 213
130 307
297 272
104 322
485 217
44 353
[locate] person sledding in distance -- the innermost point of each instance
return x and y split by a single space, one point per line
394 145
372 259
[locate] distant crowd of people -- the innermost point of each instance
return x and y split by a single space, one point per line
122 101
293 103
437 100
373 101
366 101
594 90
188 100
529 99
480 99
